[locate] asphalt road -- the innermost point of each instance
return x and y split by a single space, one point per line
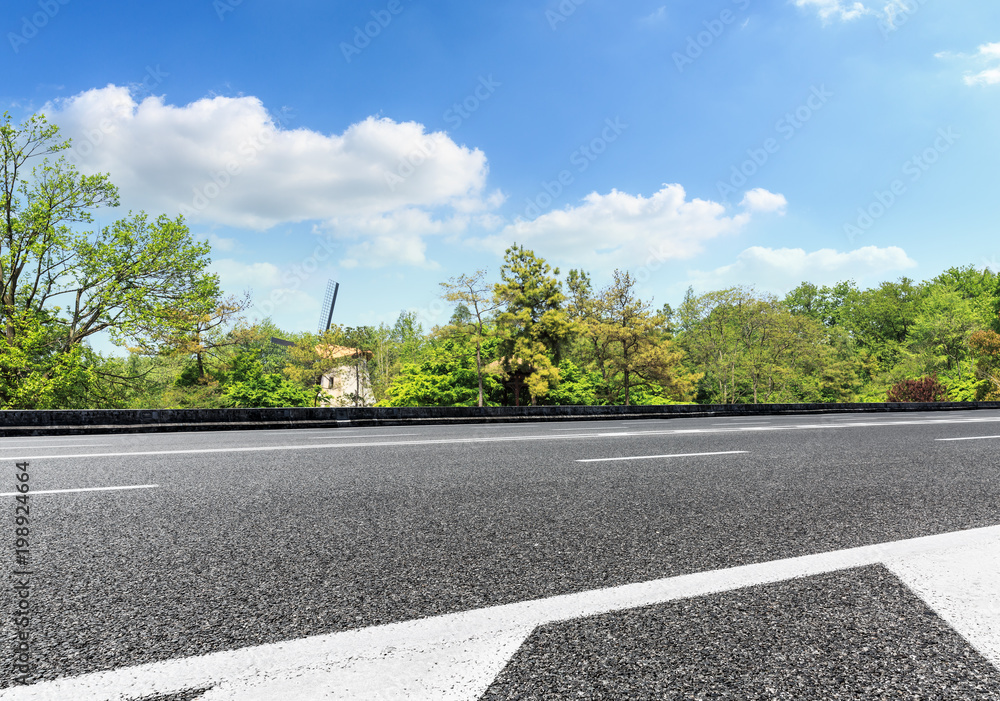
258 537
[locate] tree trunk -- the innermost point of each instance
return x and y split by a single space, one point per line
479 373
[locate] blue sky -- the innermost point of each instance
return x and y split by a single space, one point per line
393 144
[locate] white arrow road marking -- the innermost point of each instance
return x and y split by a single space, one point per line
457 656
962 585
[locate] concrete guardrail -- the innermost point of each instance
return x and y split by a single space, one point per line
41 423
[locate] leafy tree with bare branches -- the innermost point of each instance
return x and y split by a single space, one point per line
60 283
477 295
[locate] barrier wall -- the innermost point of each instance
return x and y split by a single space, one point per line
39 423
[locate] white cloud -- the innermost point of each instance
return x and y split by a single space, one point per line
399 238
657 16
619 229
220 243
845 10
986 62
988 54
276 291
240 276
782 269
760 200
168 158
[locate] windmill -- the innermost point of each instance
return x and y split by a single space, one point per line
329 302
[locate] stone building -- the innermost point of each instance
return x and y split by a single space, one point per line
347 382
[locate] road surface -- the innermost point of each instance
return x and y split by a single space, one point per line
825 556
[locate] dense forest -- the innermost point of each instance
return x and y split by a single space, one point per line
567 343
531 335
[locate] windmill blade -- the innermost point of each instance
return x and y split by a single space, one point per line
329 303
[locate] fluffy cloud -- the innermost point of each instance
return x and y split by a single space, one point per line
988 55
838 9
760 200
782 269
619 229
227 160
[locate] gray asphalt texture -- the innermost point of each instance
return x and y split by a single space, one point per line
239 549
858 634
191 695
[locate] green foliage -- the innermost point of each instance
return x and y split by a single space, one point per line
249 386
446 377
941 331
967 390
471 317
138 280
35 376
576 387
629 345
752 349
534 325
880 319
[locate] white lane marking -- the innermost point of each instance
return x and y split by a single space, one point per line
588 428
496 439
56 445
455 657
970 438
376 435
962 585
657 457
33 492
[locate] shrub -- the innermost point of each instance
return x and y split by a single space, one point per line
926 389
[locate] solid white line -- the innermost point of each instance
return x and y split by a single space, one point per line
486 439
56 445
972 438
75 491
656 457
376 435
455 657
589 428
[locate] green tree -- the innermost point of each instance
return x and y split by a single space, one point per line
249 386
446 376
979 287
941 332
533 322
629 345
473 292
822 304
576 387
128 279
202 332
880 319
753 349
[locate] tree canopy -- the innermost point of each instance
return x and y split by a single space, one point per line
139 279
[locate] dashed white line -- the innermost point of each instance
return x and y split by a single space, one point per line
34 492
658 457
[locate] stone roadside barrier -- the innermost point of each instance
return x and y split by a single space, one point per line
53 423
